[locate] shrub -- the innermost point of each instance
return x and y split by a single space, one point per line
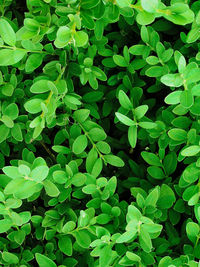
99 133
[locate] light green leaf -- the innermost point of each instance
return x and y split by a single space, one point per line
81 38
124 100
186 99
80 144
173 98
4 130
10 257
33 62
151 158
10 57
149 6
65 245
124 119
147 125
50 188
132 136
140 111
190 151
89 4
5 225
83 238
39 173
174 80
177 134
114 160
40 87
97 134
145 240
126 237
156 172
44 261
120 61
7 33
33 106
166 198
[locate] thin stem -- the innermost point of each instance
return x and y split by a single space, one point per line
23 49
48 151
92 142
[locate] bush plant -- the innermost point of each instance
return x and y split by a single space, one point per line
99 133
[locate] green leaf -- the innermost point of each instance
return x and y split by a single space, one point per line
14 186
149 6
192 76
192 230
7 89
97 168
105 256
89 4
44 261
65 245
11 111
103 218
147 125
103 147
177 134
174 80
4 130
10 57
89 189
166 198
51 189
124 100
155 71
63 37
152 197
145 18
83 238
17 132
145 240
124 3
7 33
68 227
80 144
186 99
5 225
33 62
7 121
12 172
173 98
33 106
97 134
140 111
124 119
151 158
10 257
133 213
156 172
81 115
39 87
61 149
126 237
78 179
39 173
114 160
120 61
190 151
81 38
133 257
132 136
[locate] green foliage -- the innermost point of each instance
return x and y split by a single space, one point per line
99 133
